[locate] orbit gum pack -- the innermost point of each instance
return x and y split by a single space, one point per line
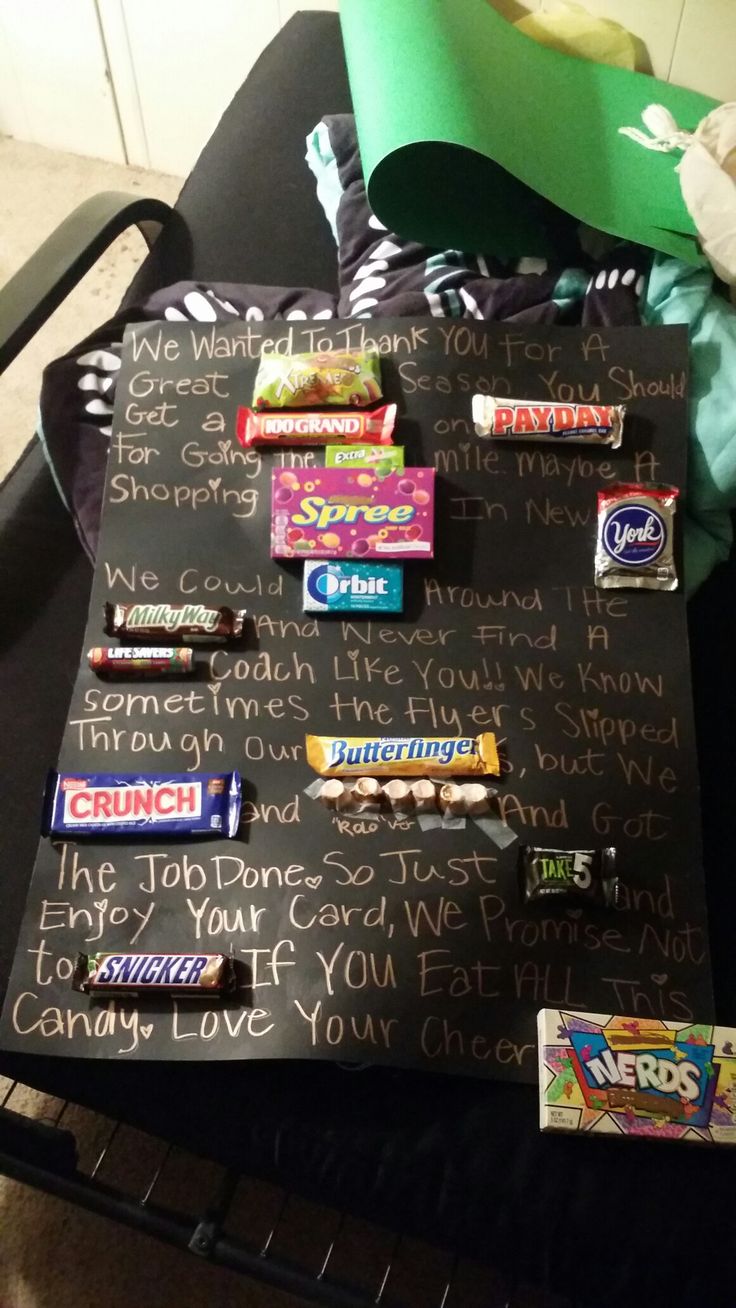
634 1076
326 513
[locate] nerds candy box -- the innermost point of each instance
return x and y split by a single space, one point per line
326 513
353 587
141 804
634 1076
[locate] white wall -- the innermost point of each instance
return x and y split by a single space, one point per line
180 62
54 87
690 42
174 65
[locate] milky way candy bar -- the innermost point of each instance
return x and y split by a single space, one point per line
145 805
189 622
199 976
530 420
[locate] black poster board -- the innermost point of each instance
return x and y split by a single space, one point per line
376 941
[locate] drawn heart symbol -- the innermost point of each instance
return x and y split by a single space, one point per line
464 448
214 483
353 654
145 1030
224 446
593 713
575 913
659 978
314 883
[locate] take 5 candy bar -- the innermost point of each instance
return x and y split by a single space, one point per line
141 804
585 876
198 976
531 420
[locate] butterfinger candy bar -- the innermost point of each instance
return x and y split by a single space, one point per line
636 547
527 420
374 428
298 381
145 805
403 756
197 975
190 622
584 875
148 661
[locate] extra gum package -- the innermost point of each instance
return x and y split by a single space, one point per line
609 1075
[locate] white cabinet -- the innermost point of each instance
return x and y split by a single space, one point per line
54 82
179 63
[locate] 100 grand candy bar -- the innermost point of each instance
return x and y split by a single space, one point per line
141 804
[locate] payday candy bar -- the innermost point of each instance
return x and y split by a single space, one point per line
352 428
587 875
403 756
297 381
526 420
195 975
635 547
185 621
149 805
131 661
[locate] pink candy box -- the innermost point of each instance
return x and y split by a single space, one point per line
328 513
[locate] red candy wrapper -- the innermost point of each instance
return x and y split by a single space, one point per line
316 428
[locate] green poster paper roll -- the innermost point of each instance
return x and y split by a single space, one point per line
474 136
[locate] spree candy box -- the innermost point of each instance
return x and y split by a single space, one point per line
325 513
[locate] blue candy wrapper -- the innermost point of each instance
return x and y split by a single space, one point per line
141 804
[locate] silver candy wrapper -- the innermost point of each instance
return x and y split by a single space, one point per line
636 537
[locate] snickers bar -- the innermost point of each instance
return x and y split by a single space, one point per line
195 975
151 622
146 805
